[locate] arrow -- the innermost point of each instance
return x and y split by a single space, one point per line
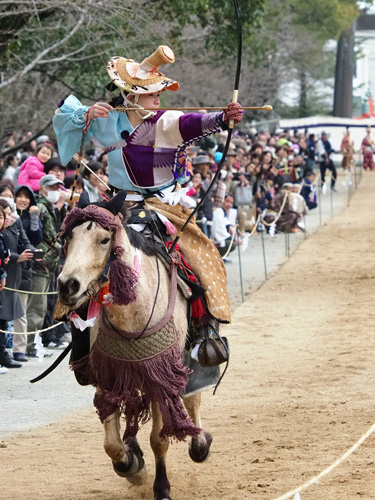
267 107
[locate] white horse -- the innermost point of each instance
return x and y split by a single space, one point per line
90 245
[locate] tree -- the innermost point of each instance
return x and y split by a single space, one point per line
52 48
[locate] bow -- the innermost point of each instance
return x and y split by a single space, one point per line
230 131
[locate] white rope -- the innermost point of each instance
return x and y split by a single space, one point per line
326 471
31 333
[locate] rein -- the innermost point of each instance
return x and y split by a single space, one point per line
109 329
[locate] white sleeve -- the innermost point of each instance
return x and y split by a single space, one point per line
219 227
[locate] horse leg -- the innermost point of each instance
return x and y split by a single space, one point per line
199 449
159 447
127 459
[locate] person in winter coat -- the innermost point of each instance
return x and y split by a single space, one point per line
4 252
29 216
20 249
32 169
4 259
42 271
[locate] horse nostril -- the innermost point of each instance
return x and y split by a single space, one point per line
72 286
68 288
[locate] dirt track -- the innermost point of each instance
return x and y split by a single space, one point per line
299 392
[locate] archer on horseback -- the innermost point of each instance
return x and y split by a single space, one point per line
147 159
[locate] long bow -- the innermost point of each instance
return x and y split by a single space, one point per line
230 131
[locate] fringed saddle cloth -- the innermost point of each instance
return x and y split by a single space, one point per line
134 368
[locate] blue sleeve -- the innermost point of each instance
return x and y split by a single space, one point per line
68 123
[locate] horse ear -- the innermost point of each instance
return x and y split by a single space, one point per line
116 204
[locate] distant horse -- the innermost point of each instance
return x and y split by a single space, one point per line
135 359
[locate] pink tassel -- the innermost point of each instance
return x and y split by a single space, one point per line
170 229
122 282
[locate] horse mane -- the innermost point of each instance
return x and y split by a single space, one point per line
117 205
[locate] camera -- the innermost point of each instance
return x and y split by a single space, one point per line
236 176
38 254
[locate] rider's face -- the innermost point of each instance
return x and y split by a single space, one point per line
150 101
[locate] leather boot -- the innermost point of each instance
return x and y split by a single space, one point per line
7 361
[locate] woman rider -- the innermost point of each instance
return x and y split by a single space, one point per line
146 153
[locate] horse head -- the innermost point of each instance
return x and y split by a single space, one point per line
95 244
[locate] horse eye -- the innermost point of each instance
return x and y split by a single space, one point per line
105 241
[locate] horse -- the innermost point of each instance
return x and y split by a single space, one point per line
143 293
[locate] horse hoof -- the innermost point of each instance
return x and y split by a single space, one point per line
134 463
198 451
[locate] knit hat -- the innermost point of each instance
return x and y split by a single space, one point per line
144 77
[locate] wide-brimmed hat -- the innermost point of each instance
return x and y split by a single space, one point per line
201 160
231 152
144 77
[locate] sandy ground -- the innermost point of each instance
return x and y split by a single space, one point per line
298 394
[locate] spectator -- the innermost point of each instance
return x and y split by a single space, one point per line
12 164
4 259
218 189
308 191
325 150
7 194
32 169
204 215
224 225
347 149
20 251
54 167
44 270
202 164
368 150
91 193
311 152
288 221
29 216
243 200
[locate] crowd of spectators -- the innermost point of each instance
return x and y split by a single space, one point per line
265 178
267 175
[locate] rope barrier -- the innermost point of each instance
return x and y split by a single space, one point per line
256 225
33 333
316 478
30 293
230 244
278 215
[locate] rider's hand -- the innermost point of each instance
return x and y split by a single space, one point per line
233 112
99 110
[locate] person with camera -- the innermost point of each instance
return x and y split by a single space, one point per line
29 216
20 250
43 269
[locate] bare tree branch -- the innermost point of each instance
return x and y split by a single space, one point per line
65 56
40 56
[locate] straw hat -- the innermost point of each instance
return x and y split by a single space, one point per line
144 77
